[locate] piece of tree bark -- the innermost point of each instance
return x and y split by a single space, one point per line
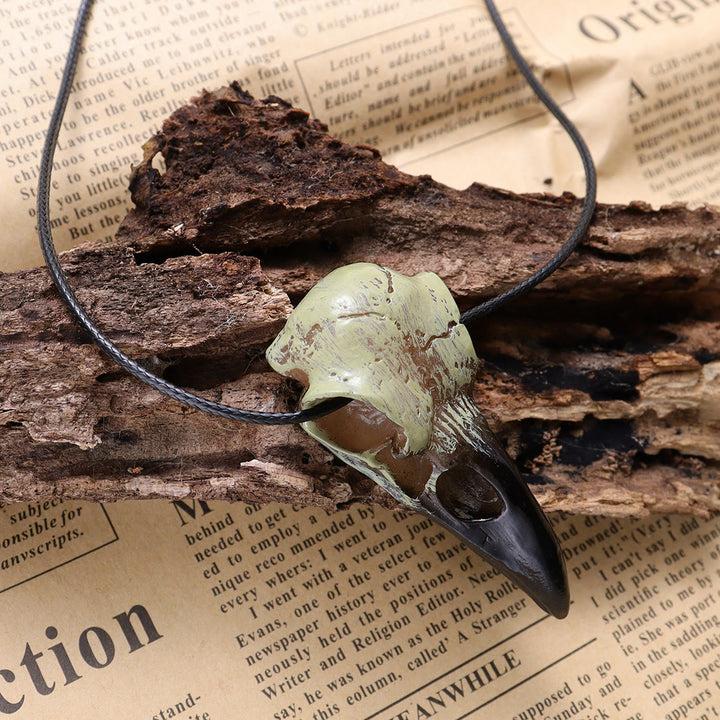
604 381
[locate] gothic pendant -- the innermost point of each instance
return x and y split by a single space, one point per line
395 345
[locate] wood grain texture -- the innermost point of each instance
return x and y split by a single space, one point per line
604 382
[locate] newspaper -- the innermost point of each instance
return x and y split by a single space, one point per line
162 609
188 609
430 89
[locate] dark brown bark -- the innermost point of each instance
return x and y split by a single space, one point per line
604 381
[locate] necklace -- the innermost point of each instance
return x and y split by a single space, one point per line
388 366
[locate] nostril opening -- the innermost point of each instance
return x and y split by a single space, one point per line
467 495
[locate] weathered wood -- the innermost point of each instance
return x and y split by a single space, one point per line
604 382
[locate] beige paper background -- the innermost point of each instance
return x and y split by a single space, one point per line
625 74
638 586
645 602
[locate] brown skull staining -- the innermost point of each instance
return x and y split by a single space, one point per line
395 345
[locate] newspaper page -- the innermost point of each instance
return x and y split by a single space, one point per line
430 88
188 609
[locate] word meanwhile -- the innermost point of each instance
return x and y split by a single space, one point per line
96 648
476 679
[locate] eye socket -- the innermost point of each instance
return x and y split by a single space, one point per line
467 495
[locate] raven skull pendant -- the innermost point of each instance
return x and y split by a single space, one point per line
395 346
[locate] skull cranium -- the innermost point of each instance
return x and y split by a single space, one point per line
395 346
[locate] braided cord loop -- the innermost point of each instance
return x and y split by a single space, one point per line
326 406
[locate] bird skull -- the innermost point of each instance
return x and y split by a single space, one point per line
395 346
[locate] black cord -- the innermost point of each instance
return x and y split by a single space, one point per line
327 406
78 312
588 207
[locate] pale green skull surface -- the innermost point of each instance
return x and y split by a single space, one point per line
395 345
391 342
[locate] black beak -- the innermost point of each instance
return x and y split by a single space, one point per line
483 500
